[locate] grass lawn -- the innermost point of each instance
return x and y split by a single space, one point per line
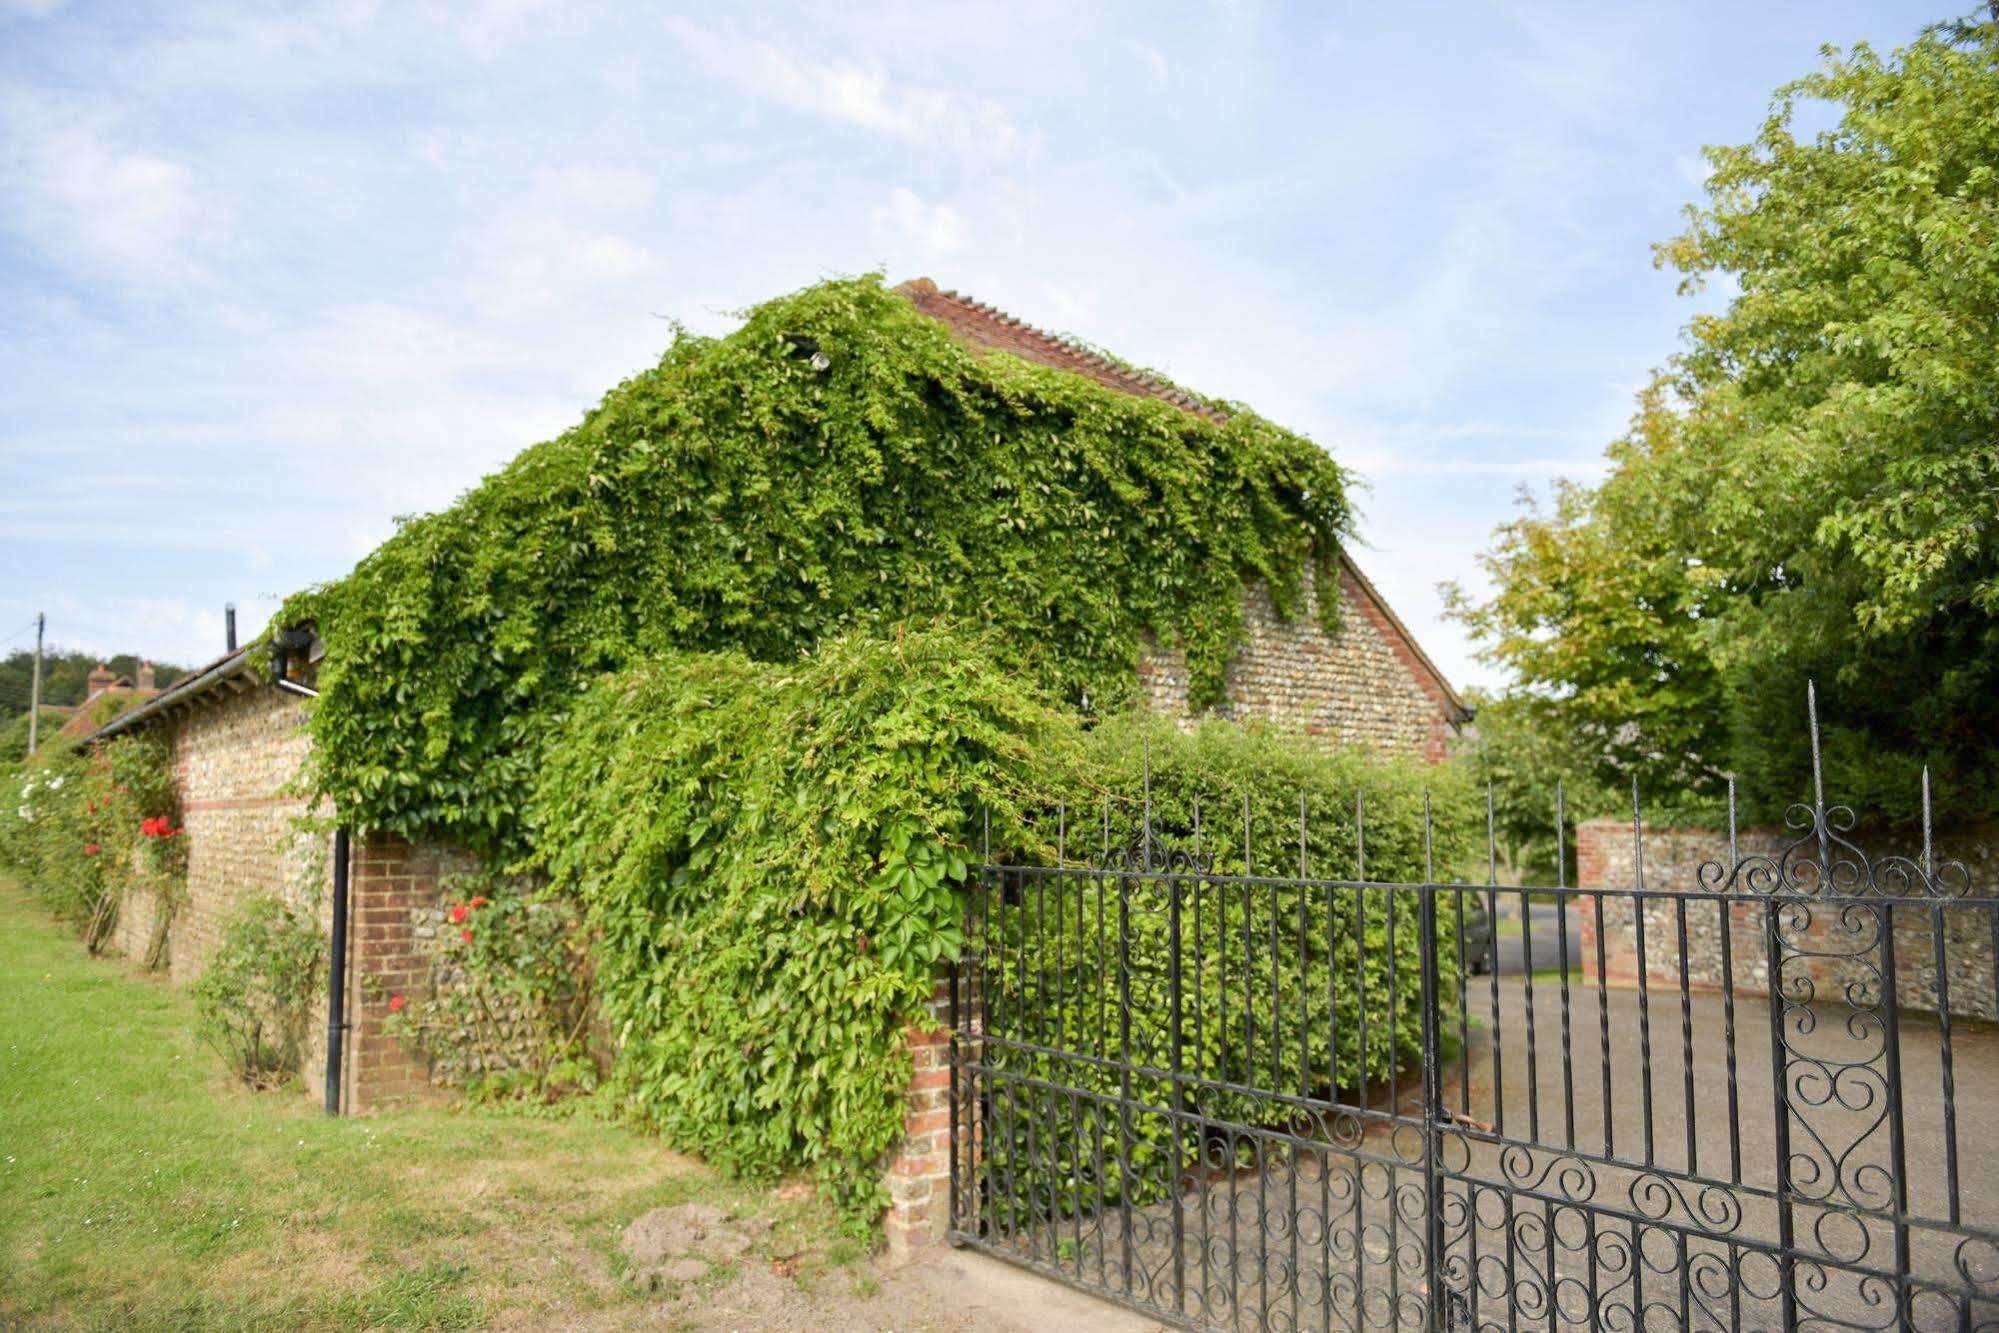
141 1188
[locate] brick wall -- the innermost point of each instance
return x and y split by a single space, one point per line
1361 686
234 758
395 894
1726 936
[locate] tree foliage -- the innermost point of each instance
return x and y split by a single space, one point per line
743 496
1811 487
65 677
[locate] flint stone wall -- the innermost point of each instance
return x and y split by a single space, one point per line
1839 953
1359 687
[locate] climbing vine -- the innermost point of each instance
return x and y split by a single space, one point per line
770 860
837 464
508 1009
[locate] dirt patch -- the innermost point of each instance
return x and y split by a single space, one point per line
678 1244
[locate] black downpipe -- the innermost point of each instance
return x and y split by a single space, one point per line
336 983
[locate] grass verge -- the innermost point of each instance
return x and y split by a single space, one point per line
141 1188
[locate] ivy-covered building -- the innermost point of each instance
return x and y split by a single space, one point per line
855 456
1365 682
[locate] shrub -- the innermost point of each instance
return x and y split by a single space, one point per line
254 1002
87 828
771 858
1277 985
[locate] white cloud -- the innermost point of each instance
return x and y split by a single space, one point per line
95 204
537 263
853 94
936 227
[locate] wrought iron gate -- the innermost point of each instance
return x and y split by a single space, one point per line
1218 1099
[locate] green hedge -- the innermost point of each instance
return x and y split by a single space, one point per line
1053 949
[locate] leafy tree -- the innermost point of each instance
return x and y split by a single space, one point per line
1810 489
1520 748
14 734
65 677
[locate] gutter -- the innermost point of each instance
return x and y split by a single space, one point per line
217 673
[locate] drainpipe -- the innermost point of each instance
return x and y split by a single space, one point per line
336 980
285 644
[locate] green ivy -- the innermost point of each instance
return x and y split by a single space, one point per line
771 858
736 498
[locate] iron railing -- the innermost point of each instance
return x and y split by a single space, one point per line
1217 1098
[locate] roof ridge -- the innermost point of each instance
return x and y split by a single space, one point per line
1058 351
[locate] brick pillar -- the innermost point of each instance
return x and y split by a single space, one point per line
919 1174
391 886
1603 861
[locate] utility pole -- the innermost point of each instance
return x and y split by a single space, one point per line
35 690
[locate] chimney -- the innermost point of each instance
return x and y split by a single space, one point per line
229 625
99 681
146 675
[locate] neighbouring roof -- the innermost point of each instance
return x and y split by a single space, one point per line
987 327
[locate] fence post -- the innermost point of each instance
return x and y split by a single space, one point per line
1433 1093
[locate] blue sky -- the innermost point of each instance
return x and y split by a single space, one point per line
272 275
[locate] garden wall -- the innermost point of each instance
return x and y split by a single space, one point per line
1822 951
1365 686
235 758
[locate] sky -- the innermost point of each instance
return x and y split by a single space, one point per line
271 276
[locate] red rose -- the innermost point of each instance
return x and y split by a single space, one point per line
457 913
90 849
396 1004
478 902
467 935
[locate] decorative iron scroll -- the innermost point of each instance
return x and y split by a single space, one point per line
1534 1172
